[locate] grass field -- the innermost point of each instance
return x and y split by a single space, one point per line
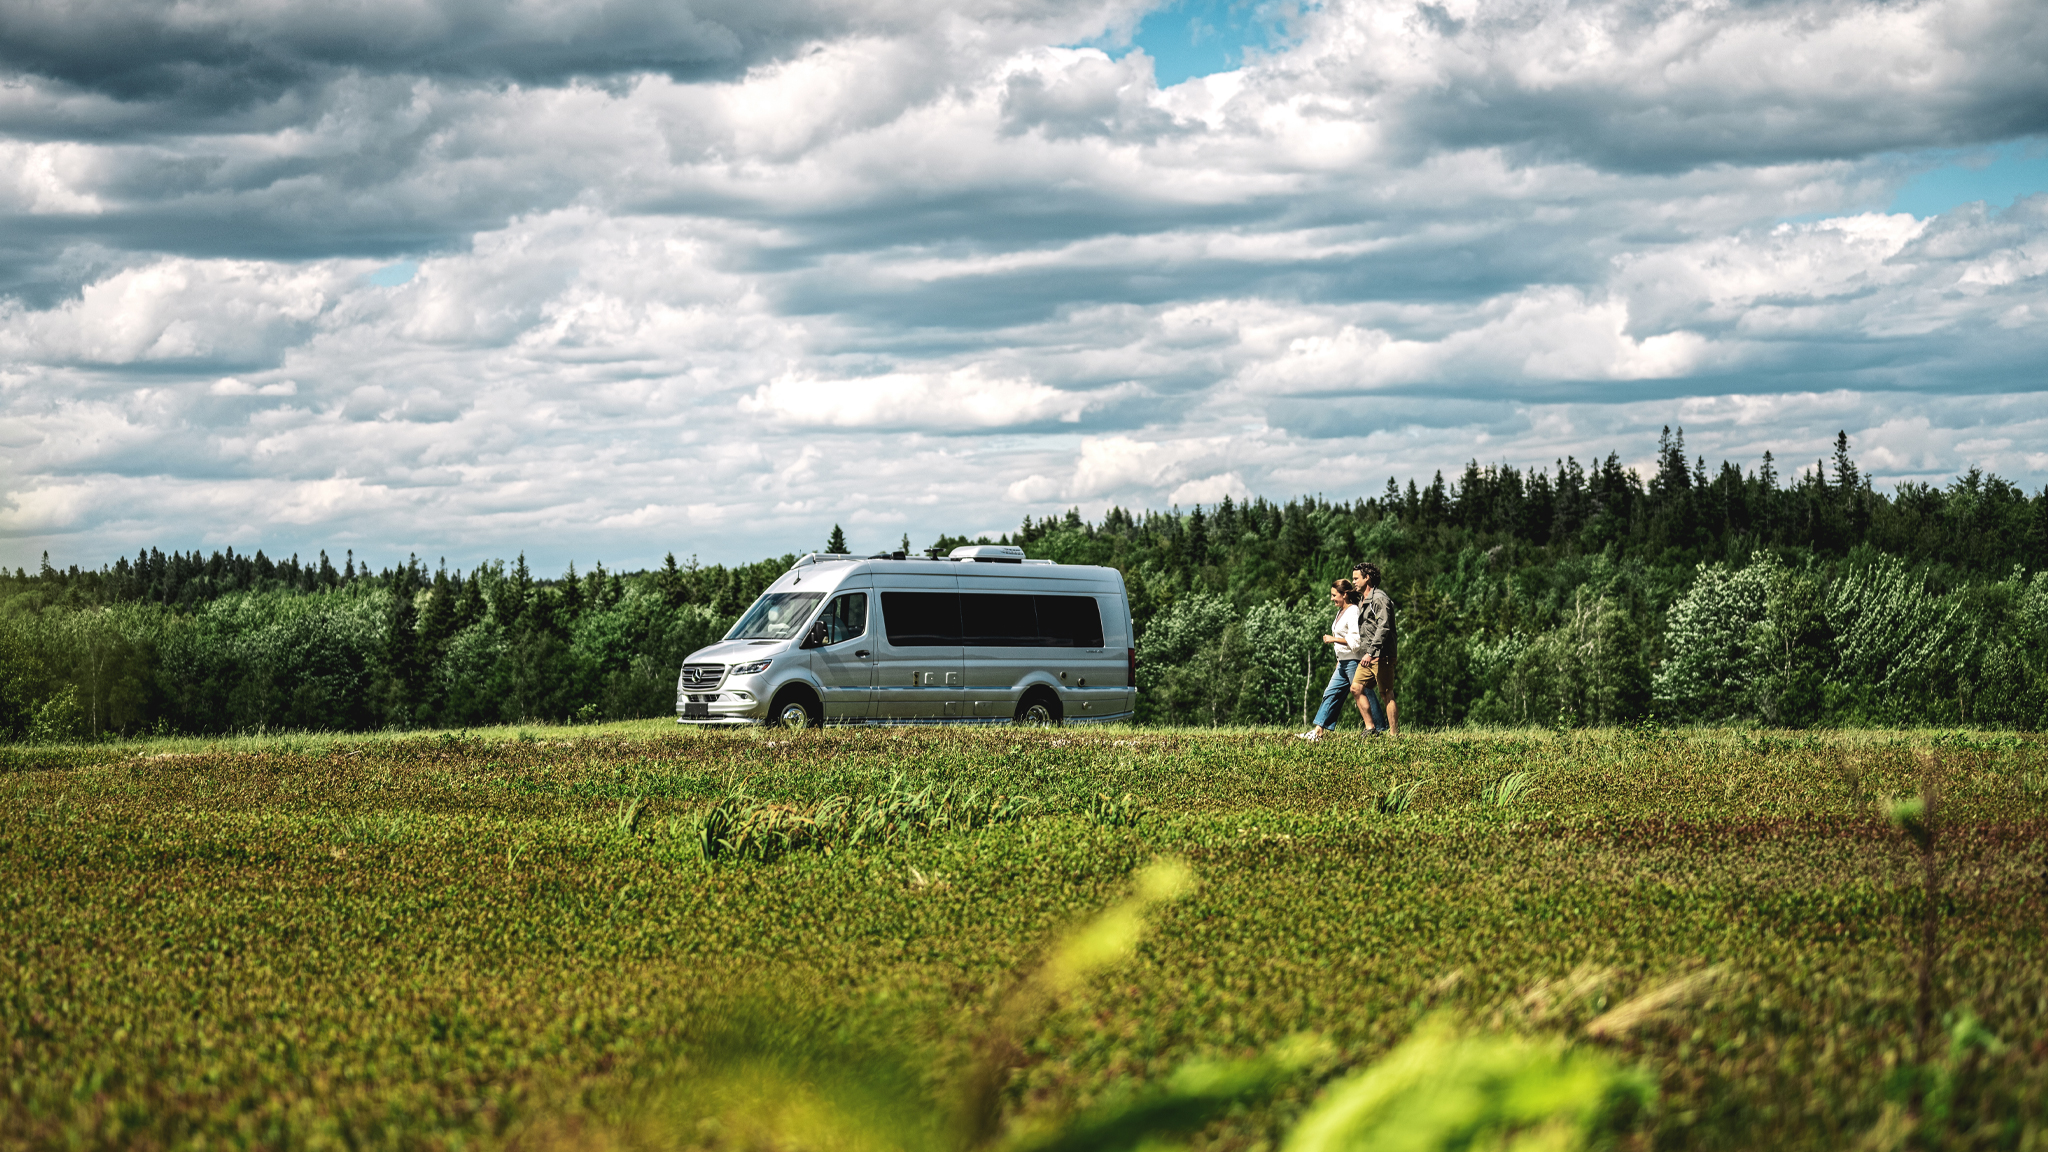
463 940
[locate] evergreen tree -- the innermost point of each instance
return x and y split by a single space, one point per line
470 609
404 671
439 623
569 597
514 595
837 542
669 583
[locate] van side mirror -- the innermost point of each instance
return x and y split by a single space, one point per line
815 638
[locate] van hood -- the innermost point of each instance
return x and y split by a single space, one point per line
737 651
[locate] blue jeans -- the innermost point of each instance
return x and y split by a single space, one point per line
1333 696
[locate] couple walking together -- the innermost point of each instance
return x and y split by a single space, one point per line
1364 637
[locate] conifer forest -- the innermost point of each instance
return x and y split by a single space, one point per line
1574 595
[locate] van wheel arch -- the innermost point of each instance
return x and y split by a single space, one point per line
1040 708
796 706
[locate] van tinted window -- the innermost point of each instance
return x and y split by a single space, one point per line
1069 621
921 619
991 620
996 620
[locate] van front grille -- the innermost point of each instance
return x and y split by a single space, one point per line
701 677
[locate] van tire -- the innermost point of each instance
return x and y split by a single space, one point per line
1040 708
796 707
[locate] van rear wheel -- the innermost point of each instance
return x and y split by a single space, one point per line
1039 709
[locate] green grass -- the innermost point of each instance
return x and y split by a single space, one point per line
459 939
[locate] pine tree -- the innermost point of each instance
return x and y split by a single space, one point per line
1672 475
669 582
2036 544
837 544
571 596
513 595
439 623
404 671
471 609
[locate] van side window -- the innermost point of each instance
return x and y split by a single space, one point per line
921 619
991 620
999 620
846 617
1069 621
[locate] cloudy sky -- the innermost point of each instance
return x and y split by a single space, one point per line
601 279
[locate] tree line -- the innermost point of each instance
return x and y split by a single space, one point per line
1567 595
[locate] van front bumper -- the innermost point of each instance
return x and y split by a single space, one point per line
726 708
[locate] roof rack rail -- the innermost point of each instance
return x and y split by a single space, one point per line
966 554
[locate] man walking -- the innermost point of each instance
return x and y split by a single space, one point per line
1378 667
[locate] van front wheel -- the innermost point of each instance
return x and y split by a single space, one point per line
795 709
1039 709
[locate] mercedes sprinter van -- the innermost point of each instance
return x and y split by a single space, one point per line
980 636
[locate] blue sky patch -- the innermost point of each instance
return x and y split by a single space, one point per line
392 275
1188 38
1997 175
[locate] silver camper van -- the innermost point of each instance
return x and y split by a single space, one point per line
982 636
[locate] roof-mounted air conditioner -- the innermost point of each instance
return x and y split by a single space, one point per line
988 553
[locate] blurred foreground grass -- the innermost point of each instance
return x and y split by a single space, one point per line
516 936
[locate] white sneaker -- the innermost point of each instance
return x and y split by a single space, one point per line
1312 734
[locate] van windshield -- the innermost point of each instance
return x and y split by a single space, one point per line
775 616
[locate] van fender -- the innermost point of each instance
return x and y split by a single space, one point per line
803 676
1038 679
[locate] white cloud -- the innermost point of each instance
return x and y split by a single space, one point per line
44 179
1210 489
965 398
713 279
230 386
1535 336
177 309
1111 466
1033 489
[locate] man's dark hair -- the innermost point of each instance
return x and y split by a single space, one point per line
1369 570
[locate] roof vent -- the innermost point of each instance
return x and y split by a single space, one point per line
989 553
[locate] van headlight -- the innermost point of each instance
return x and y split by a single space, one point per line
750 669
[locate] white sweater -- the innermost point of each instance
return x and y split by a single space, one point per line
1345 629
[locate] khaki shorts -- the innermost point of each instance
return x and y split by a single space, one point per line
1378 675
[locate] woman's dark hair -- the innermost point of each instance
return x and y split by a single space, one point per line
1369 570
1346 588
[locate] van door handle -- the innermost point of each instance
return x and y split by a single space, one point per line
860 654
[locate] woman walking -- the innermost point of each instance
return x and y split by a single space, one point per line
1343 634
